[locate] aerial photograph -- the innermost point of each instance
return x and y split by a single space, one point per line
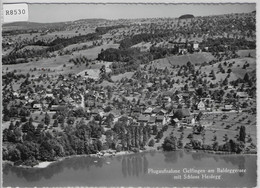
158 95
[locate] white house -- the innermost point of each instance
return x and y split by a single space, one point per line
201 106
195 46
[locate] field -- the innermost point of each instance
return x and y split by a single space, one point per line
236 68
58 64
120 76
28 48
216 127
77 46
93 70
92 53
244 53
196 59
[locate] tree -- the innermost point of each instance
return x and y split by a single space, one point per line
242 134
195 144
17 134
169 143
186 87
47 119
107 109
6 117
213 75
178 114
151 143
11 126
215 146
200 92
246 78
55 123
236 147
198 118
14 155
190 136
155 130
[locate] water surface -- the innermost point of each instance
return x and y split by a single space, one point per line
133 170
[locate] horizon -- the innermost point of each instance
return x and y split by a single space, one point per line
119 19
49 13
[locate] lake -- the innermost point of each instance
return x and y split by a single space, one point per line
177 169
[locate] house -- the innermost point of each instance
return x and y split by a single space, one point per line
50 95
160 119
176 122
136 110
171 114
166 99
189 121
179 97
149 84
228 108
142 104
242 95
143 118
185 96
162 112
15 94
201 106
57 108
152 120
90 103
168 93
183 51
156 110
148 110
37 106
195 46
94 112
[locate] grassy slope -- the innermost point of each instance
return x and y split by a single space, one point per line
93 52
196 58
237 71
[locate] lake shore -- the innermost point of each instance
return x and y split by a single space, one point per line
45 164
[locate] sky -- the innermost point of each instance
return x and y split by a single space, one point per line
46 13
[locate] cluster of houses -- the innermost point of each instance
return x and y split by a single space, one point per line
79 92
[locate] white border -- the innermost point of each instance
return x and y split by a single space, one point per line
128 1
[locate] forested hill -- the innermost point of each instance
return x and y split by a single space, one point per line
186 16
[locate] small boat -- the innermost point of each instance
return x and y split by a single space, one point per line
95 161
108 162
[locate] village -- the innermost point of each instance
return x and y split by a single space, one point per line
193 98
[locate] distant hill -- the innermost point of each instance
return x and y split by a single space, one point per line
19 24
31 25
36 25
186 16
91 20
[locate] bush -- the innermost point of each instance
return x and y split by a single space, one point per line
151 143
169 143
118 148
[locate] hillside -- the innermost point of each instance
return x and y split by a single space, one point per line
196 59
